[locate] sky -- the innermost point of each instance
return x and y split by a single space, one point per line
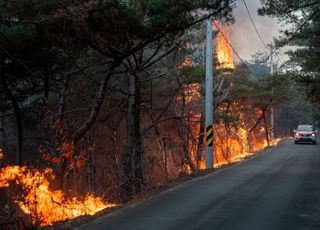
242 34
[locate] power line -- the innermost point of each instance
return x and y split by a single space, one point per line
273 49
237 54
253 24
292 35
233 49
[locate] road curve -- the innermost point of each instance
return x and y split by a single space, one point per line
276 190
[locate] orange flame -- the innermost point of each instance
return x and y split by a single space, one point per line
224 52
44 205
232 148
231 145
187 62
1 154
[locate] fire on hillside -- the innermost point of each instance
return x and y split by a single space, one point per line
44 205
32 190
231 143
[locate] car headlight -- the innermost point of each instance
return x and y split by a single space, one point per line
313 134
297 134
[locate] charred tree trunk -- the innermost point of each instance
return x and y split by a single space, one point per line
266 129
165 157
18 118
63 165
263 109
186 156
138 148
127 155
164 150
62 98
91 168
200 146
132 158
200 140
2 130
45 98
182 128
81 131
114 146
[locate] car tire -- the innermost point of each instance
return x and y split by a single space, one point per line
314 142
296 142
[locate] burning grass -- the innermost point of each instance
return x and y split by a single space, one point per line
232 146
233 141
44 205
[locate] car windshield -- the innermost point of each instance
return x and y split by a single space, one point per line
305 128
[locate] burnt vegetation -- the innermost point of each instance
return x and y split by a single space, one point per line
106 98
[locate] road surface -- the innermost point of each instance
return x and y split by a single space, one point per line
279 189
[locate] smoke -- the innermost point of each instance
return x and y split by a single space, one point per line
242 34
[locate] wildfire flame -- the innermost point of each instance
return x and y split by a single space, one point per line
235 147
187 62
231 145
44 205
1 154
224 52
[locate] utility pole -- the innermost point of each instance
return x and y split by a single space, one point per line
209 95
272 109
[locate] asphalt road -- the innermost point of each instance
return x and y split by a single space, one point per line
279 189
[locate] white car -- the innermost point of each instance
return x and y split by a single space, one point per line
305 134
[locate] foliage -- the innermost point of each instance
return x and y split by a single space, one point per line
70 63
303 18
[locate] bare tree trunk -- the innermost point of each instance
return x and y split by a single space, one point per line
132 158
266 129
2 130
259 119
182 128
81 131
162 145
200 140
165 157
91 169
202 129
45 99
127 155
138 153
186 155
114 144
62 97
255 126
164 151
18 118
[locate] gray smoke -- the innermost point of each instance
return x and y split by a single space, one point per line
242 34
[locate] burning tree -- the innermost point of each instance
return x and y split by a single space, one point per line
241 108
63 64
106 99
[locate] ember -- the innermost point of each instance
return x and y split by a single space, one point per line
44 205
